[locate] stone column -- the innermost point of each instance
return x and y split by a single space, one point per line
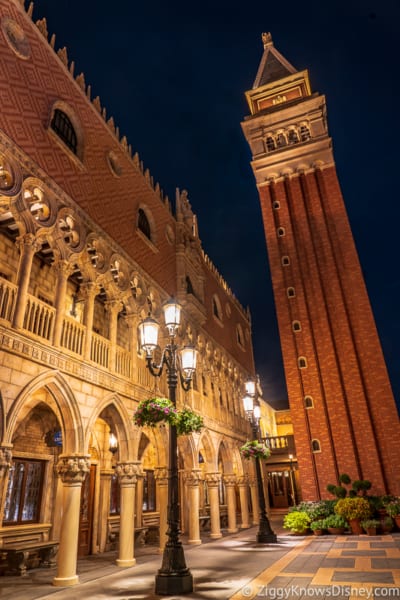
127 473
161 477
139 500
213 480
89 292
5 465
104 507
244 507
254 501
58 503
63 269
113 307
192 479
72 470
230 481
28 245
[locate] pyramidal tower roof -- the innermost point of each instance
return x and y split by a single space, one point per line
273 65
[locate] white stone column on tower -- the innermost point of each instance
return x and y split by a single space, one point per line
161 477
242 482
127 475
113 308
213 481
89 291
63 269
72 470
230 482
28 245
192 479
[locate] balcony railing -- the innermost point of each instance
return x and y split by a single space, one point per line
280 444
8 293
39 318
73 335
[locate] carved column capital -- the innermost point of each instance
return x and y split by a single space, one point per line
28 240
213 479
242 480
252 482
73 469
113 307
161 474
89 290
128 472
193 477
5 459
230 479
63 268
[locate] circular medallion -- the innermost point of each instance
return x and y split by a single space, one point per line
16 38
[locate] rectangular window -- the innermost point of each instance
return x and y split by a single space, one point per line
24 492
149 491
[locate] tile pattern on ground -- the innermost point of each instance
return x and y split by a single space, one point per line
348 567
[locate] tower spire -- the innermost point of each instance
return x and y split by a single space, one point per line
273 65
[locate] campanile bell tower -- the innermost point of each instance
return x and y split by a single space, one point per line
344 415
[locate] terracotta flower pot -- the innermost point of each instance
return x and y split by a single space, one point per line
355 526
336 530
370 530
318 532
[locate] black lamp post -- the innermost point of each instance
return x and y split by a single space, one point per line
174 577
265 535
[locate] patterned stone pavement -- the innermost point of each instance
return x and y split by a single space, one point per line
332 567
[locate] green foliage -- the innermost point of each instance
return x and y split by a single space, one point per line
317 524
393 507
296 521
254 449
188 421
154 410
370 523
344 478
335 522
340 491
353 508
387 523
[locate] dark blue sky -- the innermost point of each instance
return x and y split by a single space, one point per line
173 75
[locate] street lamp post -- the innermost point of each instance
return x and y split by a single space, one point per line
292 483
174 577
265 535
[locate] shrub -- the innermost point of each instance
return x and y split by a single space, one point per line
393 508
353 508
335 522
296 521
370 523
317 524
188 421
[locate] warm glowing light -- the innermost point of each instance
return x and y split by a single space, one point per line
172 315
148 332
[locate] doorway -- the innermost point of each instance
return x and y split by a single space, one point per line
86 513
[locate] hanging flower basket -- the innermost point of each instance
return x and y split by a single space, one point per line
188 421
153 411
254 449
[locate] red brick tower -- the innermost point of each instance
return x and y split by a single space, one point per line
344 415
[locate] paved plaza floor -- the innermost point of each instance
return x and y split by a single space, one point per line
237 568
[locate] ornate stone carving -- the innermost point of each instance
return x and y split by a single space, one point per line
213 479
161 474
193 477
5 459
230 479
242 480
73 469
128 472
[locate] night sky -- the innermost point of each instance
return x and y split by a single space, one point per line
173 75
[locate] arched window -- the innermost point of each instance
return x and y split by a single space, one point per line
281 231
143 223
302 362
216 308
276 205
315 446
296 326
291 292
189 286
304 133
308 402
270 143
281 140
285 261
293 138
63 127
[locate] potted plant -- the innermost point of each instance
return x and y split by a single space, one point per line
317 527
298 522
188 421
254 449
370 526
393 510
154 410
335 524
354 510
387 524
